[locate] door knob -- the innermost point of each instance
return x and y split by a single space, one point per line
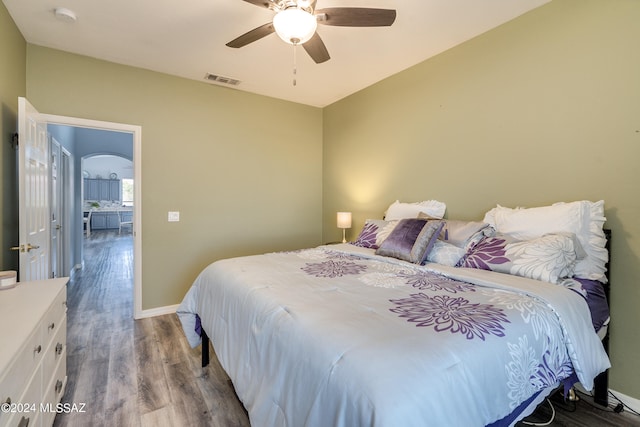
24 248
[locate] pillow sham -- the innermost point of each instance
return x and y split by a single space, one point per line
374 232
397 210
548 258
445 253
464 234
583 218
411 240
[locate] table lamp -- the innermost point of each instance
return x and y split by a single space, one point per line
344 222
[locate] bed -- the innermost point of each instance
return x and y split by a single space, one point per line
377 333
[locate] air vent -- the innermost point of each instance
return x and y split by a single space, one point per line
221 79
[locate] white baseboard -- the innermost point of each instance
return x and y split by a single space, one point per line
73 271
158 311
631 402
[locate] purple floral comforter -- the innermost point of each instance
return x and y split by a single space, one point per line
338 336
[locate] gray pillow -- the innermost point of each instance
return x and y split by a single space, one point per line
459 233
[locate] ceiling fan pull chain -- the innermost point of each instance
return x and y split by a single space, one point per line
295 71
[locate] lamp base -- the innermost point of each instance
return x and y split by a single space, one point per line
344 239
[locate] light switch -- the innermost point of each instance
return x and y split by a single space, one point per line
174 216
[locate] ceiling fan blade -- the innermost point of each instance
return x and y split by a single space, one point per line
356 17
253 35
316 49
261 3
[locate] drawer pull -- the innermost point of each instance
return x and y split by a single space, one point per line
58 386
58 349
52 325
38 349
24 422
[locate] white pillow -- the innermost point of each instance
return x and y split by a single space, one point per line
583 218
397 210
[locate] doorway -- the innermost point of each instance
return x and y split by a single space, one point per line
134 135
107 189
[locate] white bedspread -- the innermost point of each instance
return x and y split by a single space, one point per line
336 336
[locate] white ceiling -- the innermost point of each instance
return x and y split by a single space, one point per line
187 38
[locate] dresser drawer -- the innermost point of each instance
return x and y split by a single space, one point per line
56 350
28 405
21 370
51 320
54 390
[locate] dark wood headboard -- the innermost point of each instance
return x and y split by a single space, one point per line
601 382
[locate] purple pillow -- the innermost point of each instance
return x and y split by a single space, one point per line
373 233
411 240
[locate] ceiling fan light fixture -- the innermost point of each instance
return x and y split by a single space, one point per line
294 25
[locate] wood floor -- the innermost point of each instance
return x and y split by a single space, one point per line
143 373
134 373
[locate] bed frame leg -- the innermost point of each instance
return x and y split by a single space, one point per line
601 382
601 389
205 349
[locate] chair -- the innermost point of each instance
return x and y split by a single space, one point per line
125 222
87 223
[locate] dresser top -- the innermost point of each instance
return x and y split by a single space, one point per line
21 310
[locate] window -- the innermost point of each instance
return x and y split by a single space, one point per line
127 192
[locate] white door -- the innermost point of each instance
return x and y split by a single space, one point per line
33 186
65 203
55 249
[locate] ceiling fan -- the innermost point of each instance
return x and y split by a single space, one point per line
295 22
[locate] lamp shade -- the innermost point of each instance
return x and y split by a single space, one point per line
295 26
344 219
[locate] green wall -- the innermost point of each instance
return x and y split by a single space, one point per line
545 108
244 171
13 54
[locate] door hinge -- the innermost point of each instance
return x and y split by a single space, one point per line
15 138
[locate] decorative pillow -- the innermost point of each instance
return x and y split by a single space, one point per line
583 218
463 233
374 232
411 240
547 258
397 210
445 253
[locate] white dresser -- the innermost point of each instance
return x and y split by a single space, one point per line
33 350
